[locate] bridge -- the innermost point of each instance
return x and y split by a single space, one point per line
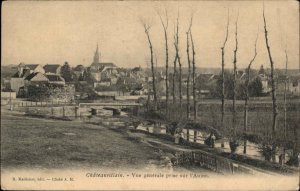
113 104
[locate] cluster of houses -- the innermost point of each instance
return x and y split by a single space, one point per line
135 80
35 74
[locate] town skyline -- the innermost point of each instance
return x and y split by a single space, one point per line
72 35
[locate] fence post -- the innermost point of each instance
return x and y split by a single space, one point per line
36 103
22 104
52 112
188 134
195 136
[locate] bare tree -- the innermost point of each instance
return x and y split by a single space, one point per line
234 88
174 78
223 75
165 27
247 95
189 69
285 109
274 104
147 28
193 77
176 44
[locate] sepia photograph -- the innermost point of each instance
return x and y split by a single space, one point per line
150 95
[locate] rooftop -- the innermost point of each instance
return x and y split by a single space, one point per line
51 68
54 78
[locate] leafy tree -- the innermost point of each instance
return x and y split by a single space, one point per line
216 90
255 88
66 72
228 84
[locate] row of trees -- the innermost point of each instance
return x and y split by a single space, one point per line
177 75
227 86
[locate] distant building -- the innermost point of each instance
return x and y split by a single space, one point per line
55 79
137 73
102 74
280 82
294 85
97 66
205 83
36 78
265 83
52 69
24 70
31 68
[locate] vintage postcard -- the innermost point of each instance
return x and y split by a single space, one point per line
150 95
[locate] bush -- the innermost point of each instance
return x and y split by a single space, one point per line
293 161
233 146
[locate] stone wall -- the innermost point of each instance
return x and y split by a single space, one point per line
51 92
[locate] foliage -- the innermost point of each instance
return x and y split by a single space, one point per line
266 151
253 138
107 88
293 161
203 127
66 72
240 88
83 76
233 146
255 88
128 84
153 115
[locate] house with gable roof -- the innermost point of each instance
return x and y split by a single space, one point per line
55 79
52 69
24 70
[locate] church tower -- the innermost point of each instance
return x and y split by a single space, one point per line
97 56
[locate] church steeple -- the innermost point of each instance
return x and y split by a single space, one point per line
97 56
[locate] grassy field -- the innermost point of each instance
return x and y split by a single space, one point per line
41 143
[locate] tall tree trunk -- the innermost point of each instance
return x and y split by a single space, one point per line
273 90
247 97
152 66
285 109
234 89
176 44
165 27
223 78
167 74
189 68
193 77
173 81
188 77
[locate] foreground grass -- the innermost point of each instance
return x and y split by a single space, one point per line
41 143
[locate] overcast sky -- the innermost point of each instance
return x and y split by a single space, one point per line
54 32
